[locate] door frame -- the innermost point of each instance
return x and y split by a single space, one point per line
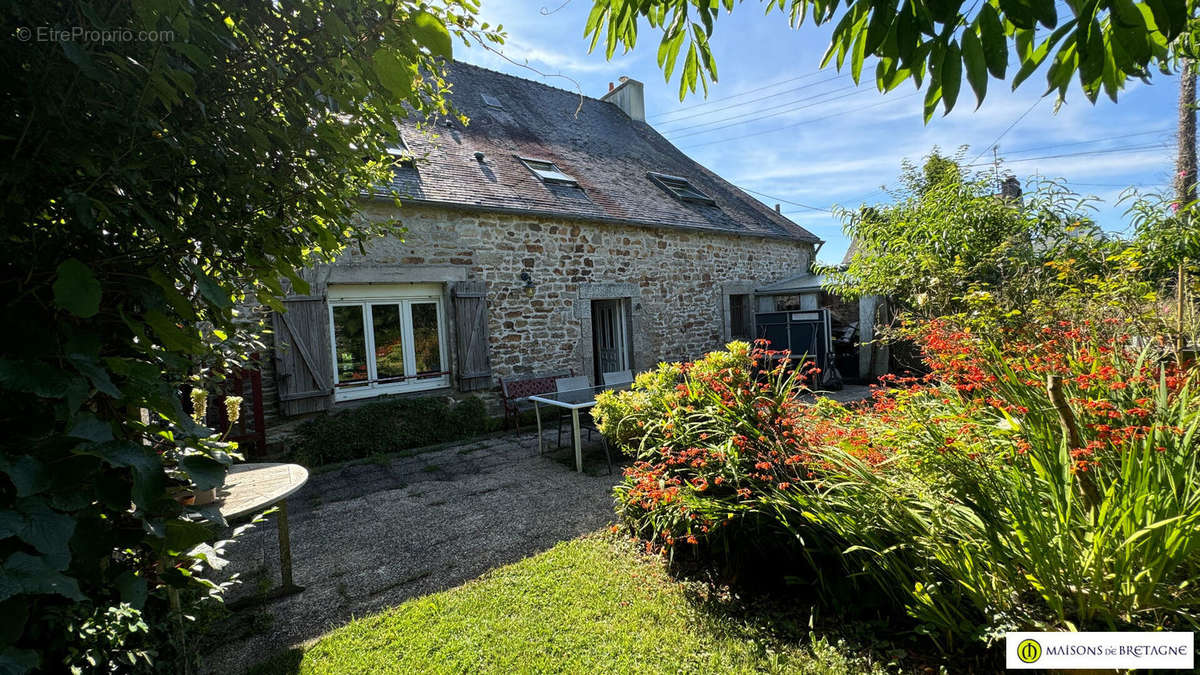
623 332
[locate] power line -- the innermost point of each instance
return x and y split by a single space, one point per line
1093 140
781 199
801 123
733 96
1005 132
755 100
788 107
1132 148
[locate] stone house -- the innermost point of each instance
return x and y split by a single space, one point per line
554 232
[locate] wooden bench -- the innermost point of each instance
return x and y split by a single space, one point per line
515 391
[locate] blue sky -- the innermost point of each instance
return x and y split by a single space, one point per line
814 139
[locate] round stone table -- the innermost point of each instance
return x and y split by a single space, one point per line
250 488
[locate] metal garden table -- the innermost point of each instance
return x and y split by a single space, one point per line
250 488
575 401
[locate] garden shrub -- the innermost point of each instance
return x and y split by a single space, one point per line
390 425
1042 476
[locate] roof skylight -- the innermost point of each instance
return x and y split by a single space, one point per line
491 101
548 171
681 188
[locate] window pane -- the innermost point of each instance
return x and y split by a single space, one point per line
350 344
425 337
787 302
389 341
739 317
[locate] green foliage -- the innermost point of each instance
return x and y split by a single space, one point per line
389 425
1104 43
151 185
950 235
977 499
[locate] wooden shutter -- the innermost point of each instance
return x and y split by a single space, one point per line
303 361
471 333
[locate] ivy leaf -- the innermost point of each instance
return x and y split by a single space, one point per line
90 368
89 428
28 475
148 483
35 377
183 535
76 289
132 588
429 31
24 573
43 528
205 472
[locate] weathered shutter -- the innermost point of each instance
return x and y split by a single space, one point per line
471 333
303 364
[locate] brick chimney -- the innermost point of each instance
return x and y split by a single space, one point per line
628 96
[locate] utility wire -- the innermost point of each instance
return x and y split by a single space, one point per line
802 123
1093 140
788 107
1132 148
1017 121
737 95
756 100
782 200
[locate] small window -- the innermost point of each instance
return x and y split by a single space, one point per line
681 188
548 171
741 317
491 101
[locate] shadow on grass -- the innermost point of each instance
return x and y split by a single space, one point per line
282 663
861 631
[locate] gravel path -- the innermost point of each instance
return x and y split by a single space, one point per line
370 536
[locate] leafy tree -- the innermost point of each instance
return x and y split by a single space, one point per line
934 43
950 235
180 159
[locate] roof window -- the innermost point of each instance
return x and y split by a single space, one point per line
491 101
681 188
548 171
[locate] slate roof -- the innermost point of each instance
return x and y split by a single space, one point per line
601 147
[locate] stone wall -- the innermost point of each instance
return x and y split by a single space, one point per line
673 281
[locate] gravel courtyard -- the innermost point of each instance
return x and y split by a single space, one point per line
372 535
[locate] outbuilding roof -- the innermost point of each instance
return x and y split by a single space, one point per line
519 125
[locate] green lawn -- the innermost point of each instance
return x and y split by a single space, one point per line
593 604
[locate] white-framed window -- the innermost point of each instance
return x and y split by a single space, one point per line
387 339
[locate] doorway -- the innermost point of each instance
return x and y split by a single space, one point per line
610 337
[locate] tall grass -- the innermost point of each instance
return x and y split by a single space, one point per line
1042 479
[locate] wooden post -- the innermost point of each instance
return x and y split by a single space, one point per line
1185 181
285 548
1066 418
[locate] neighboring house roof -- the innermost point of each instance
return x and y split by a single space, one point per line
801 283
601 147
